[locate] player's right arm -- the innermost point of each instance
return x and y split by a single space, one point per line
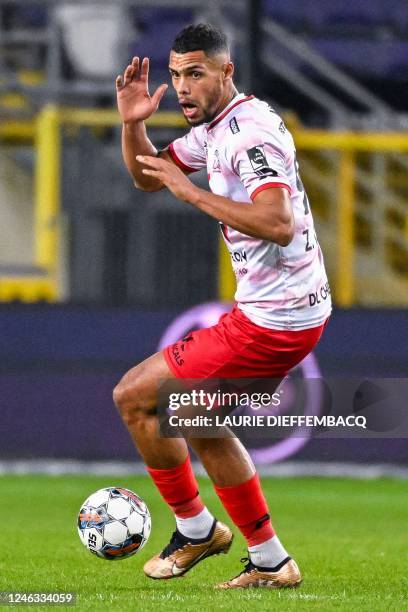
135 105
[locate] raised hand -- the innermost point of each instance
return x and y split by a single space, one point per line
132 91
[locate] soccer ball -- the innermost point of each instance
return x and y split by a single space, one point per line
114 523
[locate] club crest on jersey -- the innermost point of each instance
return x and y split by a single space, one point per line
234 126
259 162
216 164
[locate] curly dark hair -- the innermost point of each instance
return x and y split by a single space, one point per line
201 37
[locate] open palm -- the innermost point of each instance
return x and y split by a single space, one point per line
132 90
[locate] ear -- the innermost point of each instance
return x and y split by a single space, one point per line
228 70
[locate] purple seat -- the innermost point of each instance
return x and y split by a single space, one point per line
290 12
370 13
317 14
398 59
156 43
146 17
29 16
368 58
399 18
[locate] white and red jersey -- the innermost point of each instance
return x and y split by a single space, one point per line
246 149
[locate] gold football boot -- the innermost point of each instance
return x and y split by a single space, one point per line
182 553
287 574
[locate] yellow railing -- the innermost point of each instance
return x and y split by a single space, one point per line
45 132
347 145
47 192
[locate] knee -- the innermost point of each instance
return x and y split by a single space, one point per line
132 402
120 396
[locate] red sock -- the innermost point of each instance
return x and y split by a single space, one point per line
247 507
179 489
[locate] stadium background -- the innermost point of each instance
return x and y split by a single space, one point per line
94 275
92 272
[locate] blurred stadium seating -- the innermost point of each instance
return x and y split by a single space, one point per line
333 66
367 39
124 264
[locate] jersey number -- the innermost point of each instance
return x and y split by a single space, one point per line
309 245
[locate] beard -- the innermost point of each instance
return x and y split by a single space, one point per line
210 112
207 117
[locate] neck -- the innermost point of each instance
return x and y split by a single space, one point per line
227 99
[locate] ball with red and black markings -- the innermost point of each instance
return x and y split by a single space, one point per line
114 523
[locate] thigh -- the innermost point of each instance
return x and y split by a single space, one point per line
145 380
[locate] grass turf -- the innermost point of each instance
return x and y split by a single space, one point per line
349 537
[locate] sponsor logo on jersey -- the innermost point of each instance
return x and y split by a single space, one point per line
238 256
216 164
259 162
234 126
317 297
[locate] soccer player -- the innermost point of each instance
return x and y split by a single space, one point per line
282 299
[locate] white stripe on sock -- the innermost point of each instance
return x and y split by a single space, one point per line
268 554
196 527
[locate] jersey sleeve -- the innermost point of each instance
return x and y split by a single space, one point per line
188 152
260 161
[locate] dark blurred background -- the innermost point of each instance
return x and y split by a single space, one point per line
92 272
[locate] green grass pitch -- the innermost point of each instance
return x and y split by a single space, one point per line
349 537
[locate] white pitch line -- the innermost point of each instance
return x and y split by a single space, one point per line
286 469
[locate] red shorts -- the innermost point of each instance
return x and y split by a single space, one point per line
238 348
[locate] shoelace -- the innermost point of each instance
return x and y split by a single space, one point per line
248 567
177 541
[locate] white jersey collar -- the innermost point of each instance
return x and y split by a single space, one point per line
238 99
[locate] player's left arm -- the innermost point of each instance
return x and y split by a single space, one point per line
269 216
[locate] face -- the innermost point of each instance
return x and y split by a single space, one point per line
203 84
